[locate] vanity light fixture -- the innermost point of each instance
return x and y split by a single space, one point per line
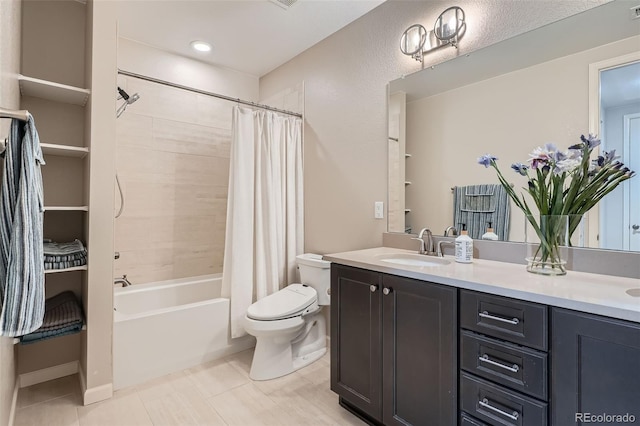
201 46
448 29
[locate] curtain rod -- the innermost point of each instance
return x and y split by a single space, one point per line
204 92
21 115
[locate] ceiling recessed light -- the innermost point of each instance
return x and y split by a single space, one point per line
201 46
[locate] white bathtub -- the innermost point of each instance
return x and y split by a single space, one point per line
167 326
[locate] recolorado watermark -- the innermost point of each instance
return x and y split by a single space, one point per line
605 418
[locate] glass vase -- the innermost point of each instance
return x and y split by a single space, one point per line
547 237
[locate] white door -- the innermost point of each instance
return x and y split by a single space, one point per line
632 191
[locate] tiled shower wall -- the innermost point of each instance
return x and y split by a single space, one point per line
173 164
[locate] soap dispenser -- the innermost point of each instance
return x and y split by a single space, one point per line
490 235
464 246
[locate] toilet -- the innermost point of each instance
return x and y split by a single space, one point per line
289 326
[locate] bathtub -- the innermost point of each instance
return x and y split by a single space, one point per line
167 326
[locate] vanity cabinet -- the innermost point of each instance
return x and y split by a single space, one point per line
596 367
394 346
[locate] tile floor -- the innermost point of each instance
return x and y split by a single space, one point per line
216 393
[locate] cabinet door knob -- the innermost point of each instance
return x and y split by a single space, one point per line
635 227
387 290
373 288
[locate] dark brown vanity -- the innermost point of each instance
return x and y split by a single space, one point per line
405 351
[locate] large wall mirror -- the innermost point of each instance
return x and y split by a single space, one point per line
506 100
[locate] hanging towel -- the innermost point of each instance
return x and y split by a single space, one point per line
477 205
63 315
21 251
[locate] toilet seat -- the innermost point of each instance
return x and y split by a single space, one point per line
289 302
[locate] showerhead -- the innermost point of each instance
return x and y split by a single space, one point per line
128 100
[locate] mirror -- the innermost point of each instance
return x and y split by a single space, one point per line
505 99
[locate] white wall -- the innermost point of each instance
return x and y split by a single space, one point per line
9 98
345 79
149 61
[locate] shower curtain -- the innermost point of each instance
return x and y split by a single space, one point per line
264 231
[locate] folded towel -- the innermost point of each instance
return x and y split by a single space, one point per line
60 249
63 315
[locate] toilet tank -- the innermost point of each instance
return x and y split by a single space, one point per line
316 273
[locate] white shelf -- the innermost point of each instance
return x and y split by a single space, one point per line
16 340
75 268
52 91
66 208
64 150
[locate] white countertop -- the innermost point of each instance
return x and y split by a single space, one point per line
598 294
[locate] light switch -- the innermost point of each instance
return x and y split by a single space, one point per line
378 210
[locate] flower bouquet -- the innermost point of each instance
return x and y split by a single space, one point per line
562 184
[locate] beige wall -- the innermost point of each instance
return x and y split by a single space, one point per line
345 79
173 163
9 98
507 116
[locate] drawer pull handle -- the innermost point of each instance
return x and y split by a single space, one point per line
485 358
485 314
485 403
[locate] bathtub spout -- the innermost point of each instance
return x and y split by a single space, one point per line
122 280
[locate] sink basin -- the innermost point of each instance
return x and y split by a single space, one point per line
408 259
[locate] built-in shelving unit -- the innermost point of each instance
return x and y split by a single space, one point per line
53 91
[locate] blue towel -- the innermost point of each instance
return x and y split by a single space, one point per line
477 205
21 219
63 315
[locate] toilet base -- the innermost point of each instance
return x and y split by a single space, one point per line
276 358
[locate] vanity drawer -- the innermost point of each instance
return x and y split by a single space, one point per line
499 406
466 420
517 367
524 323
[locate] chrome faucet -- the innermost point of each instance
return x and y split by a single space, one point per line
426 247
440 244
122 280
451 228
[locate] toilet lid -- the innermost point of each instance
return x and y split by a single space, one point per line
284 303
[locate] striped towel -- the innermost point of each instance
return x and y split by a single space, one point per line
477 205
21 252
63 315
64 255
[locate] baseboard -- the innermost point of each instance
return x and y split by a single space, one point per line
46 374
14 402
97 394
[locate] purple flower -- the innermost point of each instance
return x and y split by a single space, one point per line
486 160
520 168
590 141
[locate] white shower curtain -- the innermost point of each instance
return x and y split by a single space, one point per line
264 210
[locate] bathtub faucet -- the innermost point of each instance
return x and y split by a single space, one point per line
122 280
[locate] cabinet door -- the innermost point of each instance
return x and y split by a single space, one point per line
419 353
595 367
356 343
